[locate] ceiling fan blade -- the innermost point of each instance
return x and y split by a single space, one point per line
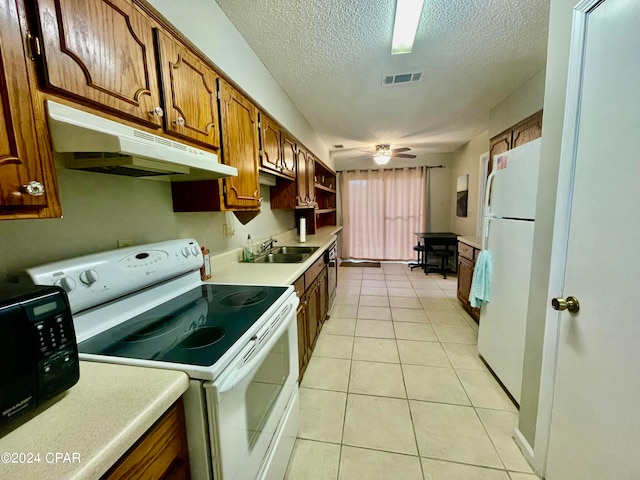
357 158
401 149
403 155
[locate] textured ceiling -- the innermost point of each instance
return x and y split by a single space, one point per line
330 56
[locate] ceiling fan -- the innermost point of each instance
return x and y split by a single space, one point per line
384 153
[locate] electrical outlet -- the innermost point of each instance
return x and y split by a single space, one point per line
227 231
125 243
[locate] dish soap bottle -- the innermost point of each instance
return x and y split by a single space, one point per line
248 249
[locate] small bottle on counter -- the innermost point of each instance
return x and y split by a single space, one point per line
205 270
248 249
303 230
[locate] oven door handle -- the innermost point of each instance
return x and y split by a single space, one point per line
236 372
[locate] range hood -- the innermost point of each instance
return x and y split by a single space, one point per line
104 146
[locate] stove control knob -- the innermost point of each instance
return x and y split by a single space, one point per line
67 284
89 277
195 251
185 252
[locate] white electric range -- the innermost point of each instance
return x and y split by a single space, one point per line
147 306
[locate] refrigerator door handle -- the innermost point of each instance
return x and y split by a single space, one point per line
487 213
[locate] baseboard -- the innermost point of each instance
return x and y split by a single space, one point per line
524 447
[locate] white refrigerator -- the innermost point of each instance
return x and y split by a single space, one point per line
509 222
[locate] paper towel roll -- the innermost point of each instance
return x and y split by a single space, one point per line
303 230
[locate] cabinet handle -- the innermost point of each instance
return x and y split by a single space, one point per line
33 188
157 112
179 121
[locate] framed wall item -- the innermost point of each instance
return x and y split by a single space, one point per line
462 195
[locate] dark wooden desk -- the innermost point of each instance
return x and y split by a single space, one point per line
434 241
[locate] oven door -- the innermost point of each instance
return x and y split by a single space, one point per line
248 401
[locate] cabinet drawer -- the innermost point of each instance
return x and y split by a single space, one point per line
298 285
466 251
313 271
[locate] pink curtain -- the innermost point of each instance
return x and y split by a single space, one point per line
381 211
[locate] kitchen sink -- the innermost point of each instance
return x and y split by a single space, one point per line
281 258
290 250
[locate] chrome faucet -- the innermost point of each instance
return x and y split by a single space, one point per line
268 245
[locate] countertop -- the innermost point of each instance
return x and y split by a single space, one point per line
227 267
475 242
95 422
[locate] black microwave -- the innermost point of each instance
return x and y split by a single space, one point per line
38 350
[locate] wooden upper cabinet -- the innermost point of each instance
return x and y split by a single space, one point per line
189 92
101 52
523 132
302 182
498 145
306 167
27 188
277 148
310 178
528 130
289 153
240 146
270 144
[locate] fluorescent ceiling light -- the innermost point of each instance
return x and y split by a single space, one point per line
405 25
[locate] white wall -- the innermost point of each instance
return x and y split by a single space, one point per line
555 91
522 103
205 24
466 161
441 196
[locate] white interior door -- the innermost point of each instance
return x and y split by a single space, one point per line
595 419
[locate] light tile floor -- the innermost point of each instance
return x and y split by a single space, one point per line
395 388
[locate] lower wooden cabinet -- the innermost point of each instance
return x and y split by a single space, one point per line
466 263
312 289
161 454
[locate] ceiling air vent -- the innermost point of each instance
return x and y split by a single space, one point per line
401 78
339 145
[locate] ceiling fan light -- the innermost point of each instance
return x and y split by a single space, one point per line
381 159
405 25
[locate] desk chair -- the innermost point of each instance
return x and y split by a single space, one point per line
443 255
421 257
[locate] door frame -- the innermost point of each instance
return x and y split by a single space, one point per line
560 241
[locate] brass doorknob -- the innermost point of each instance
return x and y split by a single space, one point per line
571 304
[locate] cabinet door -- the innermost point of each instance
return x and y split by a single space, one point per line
288 155
498 145
465 275
527 131
239 120
26 180
161 453
270 144
301 177
303 347
101 51
323 289
189 93
313 322
310 178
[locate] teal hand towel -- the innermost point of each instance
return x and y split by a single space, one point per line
481 283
